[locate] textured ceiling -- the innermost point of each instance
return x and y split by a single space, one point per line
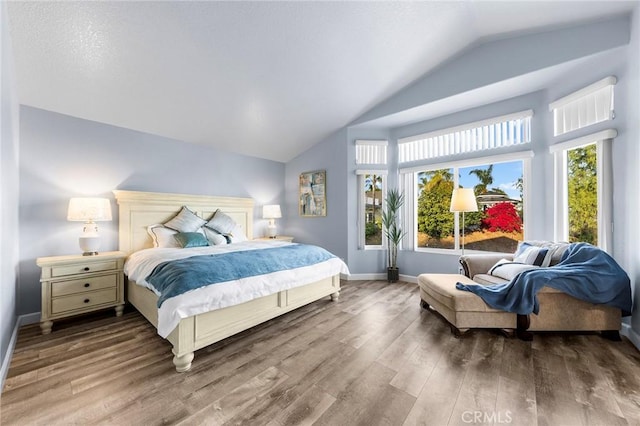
266 79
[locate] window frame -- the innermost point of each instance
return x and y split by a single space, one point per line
361 174
411 218
604 174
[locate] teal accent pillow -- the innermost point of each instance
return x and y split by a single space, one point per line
191 239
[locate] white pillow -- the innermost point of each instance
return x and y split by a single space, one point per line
215 239
185 221
508 270
162 236
221 223
237 234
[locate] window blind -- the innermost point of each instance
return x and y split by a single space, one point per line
589 105
497 132
371 152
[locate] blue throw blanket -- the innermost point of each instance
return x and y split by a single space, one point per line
180 276
585 272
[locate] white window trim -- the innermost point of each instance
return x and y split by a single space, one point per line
475 137
362 204
604 172
411 215
488 159
468 126
585 91
371 151
585 107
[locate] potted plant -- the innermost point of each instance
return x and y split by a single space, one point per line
393 232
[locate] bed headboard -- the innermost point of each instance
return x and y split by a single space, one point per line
137 210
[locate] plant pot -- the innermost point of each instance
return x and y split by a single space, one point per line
393 274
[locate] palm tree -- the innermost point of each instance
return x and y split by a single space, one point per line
485 176
432 178
373 185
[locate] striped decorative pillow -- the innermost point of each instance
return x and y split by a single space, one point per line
530 255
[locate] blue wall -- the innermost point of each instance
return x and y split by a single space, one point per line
63 157
9 119
569 59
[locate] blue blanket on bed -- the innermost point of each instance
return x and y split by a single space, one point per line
179 276
585 272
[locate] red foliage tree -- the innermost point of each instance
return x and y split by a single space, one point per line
502 217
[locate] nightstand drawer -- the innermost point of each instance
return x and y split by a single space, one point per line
84 300
62 288
82 268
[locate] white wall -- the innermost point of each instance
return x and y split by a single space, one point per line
9 115
628 242
63 157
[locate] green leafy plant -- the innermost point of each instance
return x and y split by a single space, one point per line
392 231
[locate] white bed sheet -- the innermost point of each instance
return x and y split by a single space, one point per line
140 264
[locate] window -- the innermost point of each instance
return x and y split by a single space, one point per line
584 189
582 194
498 132
371 190
498 224
590 105
371 186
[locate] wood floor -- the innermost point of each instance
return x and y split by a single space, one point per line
373 358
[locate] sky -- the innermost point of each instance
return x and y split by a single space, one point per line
504 177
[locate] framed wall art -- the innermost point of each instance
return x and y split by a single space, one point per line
313 195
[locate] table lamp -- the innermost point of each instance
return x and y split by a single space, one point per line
271 212
89 211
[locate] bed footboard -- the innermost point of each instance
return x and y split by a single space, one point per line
201 330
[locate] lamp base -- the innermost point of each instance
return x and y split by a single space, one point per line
271 231
89 244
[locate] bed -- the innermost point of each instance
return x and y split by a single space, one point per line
139 210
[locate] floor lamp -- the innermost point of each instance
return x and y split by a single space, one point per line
463 200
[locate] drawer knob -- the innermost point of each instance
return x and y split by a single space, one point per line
86 300
86 269
87 284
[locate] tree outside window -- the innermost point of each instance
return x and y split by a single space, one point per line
496 226
582 194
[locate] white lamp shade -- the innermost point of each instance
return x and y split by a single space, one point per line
463 200
271 211
89 210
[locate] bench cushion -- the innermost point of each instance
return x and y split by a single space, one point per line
442 287
462 309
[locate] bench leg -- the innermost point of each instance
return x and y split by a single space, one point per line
611 335
458 332
523 324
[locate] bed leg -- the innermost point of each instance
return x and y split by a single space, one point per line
183 363
335 296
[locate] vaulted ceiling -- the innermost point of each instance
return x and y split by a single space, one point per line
266 79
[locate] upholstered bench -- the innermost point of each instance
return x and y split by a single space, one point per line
462 309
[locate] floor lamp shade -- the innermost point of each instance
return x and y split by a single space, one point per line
463 200
271 212
89 211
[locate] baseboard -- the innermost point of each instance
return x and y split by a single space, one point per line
366 277
21 320
631 334
379 276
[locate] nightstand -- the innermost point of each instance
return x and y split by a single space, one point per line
78 284
278 238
